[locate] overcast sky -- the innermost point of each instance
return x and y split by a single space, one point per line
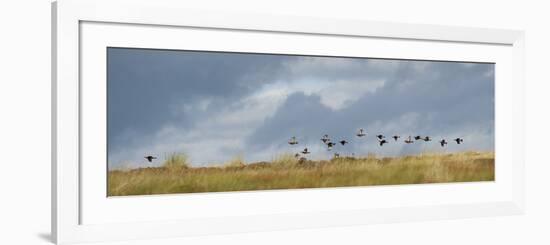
214 106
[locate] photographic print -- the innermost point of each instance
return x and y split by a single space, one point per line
203 121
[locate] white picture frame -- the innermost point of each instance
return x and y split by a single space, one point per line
69 200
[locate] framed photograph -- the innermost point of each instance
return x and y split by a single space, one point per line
172 122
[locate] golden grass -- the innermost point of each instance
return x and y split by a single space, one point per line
287 172
176 161
236 162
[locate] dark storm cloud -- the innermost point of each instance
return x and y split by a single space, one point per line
218 105
447 97
145 85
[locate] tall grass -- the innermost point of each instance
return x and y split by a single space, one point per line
287 172
176 161
236 162
286 160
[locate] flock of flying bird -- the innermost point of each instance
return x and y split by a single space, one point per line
361 133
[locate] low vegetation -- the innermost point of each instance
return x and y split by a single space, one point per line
176 161
288 172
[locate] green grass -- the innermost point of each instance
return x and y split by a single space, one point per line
287 172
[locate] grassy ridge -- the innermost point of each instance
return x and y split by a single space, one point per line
287 172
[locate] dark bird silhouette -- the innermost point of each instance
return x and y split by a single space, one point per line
396 137
330 145
343 142
409 140
443 142
150 158
305 151
427 138
418 137
459 140
293 141
325 138
382 142
380 136
361 133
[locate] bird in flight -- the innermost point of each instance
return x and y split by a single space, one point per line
361 133
380 136
459 140
443 142
427 138
418 137
325 138
343 142
150 158
305 151
409 140
330 145
293 141
382 142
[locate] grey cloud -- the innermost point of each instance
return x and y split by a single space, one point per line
146 87
447 99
